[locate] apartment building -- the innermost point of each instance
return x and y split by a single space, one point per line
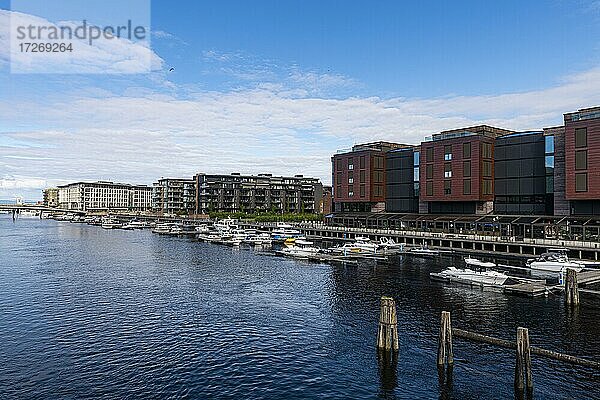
358 177
51 197
256 193
402 170
105 196
174 196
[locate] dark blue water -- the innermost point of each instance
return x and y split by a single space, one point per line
92 313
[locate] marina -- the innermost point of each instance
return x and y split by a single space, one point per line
330 306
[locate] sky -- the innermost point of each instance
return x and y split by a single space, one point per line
277 87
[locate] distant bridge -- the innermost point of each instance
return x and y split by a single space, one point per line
15 208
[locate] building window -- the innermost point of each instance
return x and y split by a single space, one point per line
339 164
362 176
378 189
486 150
581 182
338 191
467 150
429 189
379 177
487 168
447 187
350 180
362 162
339 178
467 186
416 174
486 186
379 162
350 167
467 168
350 191
549 162
429 171
362 190
416 158
429 154
549 144
416 189
350 177
581 159
447 170
447 152
581 137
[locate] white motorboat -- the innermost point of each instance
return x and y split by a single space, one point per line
162 229
474 262
390 244
471 277
28 214
360 245
285 231
110 223
128 227
300 249
555 260
138 224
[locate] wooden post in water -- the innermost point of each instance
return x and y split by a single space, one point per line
523 361
571 288
387 335
445 354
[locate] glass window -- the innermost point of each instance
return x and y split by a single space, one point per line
417 189
549 144
550 184
549 162
429 171
339 164
581 159
486 150
339 178
581 182
362 190
350 191
487 168
416 174
362 176
487 186
362 162
338 191
467 168
467 150
429 154
417 158
447 187
429 189
467 186
447 152
447 170
581 137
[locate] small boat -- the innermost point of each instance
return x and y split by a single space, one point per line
474 262
162 229
300 249
555 260
361 245
471 277
110 223
128 227
28 214
390 244
138 224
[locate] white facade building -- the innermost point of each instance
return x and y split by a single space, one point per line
105 196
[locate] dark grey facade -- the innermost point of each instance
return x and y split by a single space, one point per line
402 180
523 176
257 193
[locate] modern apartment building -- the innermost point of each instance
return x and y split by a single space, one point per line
457 171
524 173
105 196
582 161
358 177
51 197
174 196
257 193
402 185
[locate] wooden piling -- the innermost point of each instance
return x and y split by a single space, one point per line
387 334
523 377
445 354
571 288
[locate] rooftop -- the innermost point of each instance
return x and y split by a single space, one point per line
583 114
485 130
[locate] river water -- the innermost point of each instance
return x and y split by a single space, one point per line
93 313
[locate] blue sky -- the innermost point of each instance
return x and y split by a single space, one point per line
273 86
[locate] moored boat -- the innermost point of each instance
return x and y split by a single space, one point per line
471 277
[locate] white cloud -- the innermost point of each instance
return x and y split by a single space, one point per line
104 56
145 135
